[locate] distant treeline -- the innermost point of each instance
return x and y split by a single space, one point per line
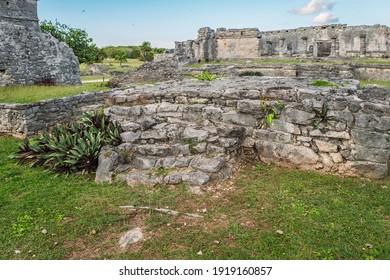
87 51
144 52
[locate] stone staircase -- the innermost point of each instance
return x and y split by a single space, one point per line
169 143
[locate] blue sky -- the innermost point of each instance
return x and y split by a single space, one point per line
161 22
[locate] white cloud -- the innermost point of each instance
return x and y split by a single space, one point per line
325 18
314 6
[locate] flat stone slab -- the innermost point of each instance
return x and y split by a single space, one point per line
131 237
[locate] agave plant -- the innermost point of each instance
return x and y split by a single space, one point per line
71 148
321 116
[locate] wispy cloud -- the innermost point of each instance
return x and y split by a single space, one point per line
314 6
318 6
325 18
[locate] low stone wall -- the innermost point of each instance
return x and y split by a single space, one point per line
196 132
28 119
319 71
371 72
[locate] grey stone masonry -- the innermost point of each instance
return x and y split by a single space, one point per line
28 119
195 132
346 70
337 40
28 56
20 12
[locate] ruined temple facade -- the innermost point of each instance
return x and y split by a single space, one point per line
28 56
320 41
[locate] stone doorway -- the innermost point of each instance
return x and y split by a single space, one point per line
324 48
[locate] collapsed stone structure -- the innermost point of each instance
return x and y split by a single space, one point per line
337 40
28 56
195 132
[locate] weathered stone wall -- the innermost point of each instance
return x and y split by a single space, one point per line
319 41
194 132
28 56
19 12
28 119
376 72
237 44
371 72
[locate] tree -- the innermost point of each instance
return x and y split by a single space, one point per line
121 57
146 51
82 45
102 55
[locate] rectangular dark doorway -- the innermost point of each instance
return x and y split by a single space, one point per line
324 49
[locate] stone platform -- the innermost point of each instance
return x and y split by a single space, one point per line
196 132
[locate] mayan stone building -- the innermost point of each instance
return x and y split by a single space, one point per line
320 41
28 56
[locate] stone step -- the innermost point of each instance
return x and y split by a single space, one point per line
193 178
153 164
160 175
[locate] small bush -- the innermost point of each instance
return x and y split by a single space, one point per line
206 76
322 83
270 111
71 148
251 74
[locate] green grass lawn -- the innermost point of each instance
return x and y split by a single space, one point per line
321 216
28 94
95 78
372 82
113 65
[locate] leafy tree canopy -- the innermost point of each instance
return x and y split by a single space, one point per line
144 52
78 39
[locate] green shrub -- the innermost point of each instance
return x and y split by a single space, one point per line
71 148
270 111
206 76
322 83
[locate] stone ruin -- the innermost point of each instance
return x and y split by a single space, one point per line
28 56
320 41
195 132
149 72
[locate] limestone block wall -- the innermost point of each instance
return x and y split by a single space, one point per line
20 12
237 44
196 132
28 119
371 41
28 56
336 40
371 72
375 72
